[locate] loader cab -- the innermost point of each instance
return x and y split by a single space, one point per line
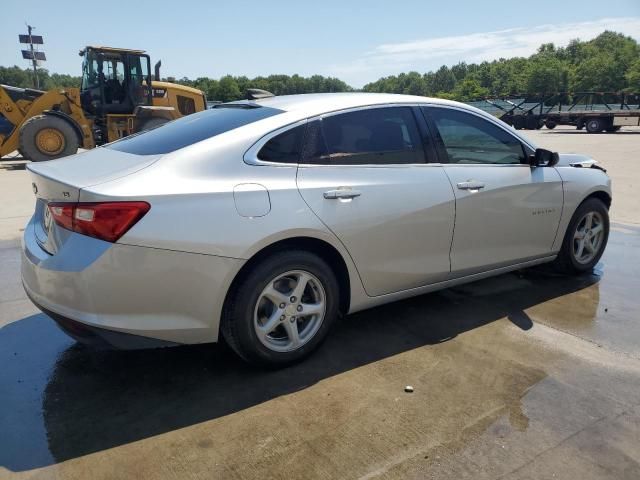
114 81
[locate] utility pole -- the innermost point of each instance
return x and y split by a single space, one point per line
32 54
33 59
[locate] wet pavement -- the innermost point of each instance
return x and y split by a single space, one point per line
530 375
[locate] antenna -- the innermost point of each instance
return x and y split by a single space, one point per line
33 54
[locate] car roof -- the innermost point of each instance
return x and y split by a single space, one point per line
311 104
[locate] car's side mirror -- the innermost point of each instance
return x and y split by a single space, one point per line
543 158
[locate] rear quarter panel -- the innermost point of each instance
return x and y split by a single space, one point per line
191 193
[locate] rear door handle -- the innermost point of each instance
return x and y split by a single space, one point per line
470 185
341 193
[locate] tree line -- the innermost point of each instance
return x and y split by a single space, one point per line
229 88
608 63
23 78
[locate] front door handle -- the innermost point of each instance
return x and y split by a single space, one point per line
341 193
470 185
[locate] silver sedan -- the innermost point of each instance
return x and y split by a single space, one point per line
264 221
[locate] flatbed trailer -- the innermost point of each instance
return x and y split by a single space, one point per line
594 111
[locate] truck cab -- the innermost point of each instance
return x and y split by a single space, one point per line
114 80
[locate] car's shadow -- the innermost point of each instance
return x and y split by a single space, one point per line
61 400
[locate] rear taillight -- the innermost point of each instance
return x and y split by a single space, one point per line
107 221
62 214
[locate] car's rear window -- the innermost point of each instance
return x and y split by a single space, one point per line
192 129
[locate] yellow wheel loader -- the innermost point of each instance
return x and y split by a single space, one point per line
117 97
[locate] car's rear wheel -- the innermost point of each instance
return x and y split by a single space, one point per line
586 237
281 309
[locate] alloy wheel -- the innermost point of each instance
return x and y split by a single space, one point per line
289 311
588 237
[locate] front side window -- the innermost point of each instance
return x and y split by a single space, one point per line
285 147
138 73
89 73
114 85
387 135
113 70
469 139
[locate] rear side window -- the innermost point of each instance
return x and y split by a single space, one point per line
387 135
469 139
285 147
192 129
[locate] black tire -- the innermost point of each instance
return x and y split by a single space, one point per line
531 122
63 139
594 125
550 124
153 123
237 324
566 261
518 123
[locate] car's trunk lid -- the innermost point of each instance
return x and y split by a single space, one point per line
61 181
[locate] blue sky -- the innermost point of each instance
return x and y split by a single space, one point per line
357 41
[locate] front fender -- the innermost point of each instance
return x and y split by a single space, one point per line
578 184
574 160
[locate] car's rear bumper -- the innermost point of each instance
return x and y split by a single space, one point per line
158 294
101 337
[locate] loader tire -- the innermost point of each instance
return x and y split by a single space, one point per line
45 137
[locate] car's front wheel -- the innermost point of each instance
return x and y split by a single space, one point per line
586 237
281 309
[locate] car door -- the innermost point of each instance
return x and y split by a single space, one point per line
365 174
506 211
